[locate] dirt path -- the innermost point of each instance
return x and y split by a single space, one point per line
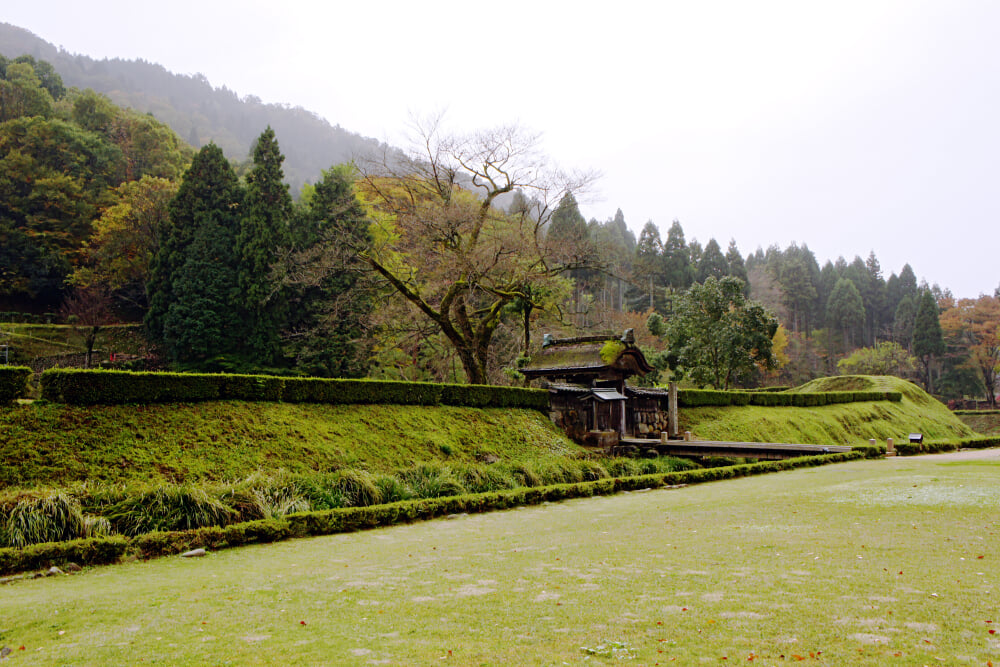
965 455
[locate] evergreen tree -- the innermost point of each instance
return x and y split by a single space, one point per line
845 311
828 277
567 223
196 255
799 292
203 322
263 232
713 263
649 262
928 341
676 262
331 302
737 268
902 326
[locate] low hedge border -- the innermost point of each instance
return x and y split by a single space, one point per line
112 387
976 412
350 519
13 383
953 445
690 398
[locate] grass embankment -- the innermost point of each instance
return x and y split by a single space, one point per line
863 563
986 422
57 445
840 424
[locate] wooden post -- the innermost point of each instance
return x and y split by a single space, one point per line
687 436
672 409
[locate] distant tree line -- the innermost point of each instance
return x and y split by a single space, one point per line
439 264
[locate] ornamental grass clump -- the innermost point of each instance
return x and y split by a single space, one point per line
524 475
50 517
169 508
432 480
479 478
623 467
393 489
358 488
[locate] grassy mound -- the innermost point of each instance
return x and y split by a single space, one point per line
842 424
56 445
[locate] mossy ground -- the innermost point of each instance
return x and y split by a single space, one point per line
54 445
886 562
839 424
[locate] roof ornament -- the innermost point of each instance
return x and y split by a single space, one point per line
629 337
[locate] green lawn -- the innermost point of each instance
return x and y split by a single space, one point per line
865 563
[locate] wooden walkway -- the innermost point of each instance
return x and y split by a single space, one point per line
747 450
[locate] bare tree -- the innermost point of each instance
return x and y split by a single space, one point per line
443 242
87 310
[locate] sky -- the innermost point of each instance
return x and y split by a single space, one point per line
851 126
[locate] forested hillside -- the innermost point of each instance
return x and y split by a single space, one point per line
198 112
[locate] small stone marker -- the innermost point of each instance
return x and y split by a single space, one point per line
194 553
890 449
687 436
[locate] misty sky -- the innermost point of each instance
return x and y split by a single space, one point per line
846 126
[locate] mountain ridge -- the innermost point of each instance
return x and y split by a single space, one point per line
199 112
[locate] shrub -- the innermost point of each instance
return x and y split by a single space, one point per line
51 517
168 508
622 467
13 383
592 471
524 475
696 397
431 480
110 387
392 489
358 487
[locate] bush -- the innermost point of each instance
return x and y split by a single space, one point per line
100 551
358 488
691 398
13 383
110 387
168 508
431 480
51 517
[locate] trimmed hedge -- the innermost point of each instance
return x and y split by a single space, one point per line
13 383
936 446
110 387
691 398
350 519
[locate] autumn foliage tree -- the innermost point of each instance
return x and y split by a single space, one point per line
973 325
443 242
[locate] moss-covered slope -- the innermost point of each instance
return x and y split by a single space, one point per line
842 424
50 444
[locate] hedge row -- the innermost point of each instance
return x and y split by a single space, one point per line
935 446
29 318
110 387
976 412
13 383
350 519
691 398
